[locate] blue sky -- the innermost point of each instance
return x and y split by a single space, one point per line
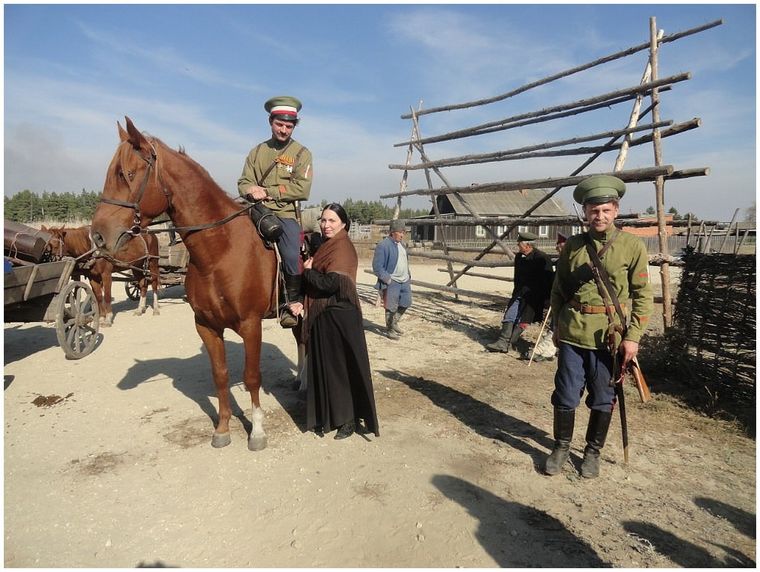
197 76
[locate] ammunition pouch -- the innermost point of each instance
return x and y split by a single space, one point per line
267 223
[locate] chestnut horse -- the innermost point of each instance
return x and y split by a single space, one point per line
139 256
231 280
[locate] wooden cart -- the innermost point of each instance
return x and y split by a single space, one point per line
172 267
44 292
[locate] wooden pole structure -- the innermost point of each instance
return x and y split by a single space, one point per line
405 176
659 183
583 67
728 231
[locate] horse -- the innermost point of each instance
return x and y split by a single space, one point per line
232 279
140 256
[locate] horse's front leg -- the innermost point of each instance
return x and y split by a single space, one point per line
155 285
213 340
142 283
107 310
251 334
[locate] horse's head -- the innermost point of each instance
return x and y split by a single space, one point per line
133 193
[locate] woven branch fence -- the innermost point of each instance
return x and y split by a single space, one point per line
713 339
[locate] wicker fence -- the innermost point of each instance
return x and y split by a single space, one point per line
714 335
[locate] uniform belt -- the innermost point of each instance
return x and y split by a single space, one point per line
589 309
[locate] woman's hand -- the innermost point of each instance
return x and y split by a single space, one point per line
296 308
307 263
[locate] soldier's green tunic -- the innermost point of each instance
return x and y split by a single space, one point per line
287 182
626 262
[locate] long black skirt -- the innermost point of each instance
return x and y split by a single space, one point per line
340 381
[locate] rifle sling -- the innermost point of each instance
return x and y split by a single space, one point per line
597 263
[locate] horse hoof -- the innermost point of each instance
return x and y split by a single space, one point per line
220 440
257 443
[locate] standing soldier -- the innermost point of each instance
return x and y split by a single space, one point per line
278 172
586 326
534 274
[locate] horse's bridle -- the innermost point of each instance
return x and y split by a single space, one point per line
136 228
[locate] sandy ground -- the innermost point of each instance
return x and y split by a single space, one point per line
108 459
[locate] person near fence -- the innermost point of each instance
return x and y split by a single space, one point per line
278 173
545 349
390 263
582 319
534 273
339 393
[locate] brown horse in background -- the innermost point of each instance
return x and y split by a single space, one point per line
231 276
136 256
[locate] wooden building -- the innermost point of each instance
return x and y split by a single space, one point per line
501 204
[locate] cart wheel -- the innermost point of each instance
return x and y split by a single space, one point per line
132 290
77 320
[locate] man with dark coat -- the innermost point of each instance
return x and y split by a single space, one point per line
534 274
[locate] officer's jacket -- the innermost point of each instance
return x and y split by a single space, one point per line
534 274
626 262
288 181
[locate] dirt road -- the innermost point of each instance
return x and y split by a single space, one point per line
108 459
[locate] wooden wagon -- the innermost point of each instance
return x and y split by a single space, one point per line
172 266
44 292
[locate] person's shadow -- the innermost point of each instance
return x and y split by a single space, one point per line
516 535
192 377
480 417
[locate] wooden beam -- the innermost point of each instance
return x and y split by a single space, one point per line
637 175
571 71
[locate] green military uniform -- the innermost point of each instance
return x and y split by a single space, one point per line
581 322
626 262
288 181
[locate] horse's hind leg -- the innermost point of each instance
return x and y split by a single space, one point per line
251 334
214 343
143 285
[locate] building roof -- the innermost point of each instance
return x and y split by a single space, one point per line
504 203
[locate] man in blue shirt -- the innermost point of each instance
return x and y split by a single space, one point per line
390 264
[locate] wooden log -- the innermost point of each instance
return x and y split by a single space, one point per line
453 290
637 175
571 71
481 275
483 263
500 155
477 130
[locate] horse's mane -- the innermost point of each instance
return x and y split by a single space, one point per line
187 159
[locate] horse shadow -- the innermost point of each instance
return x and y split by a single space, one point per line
480 417
192 377
20 343
516 535
742 520
682 552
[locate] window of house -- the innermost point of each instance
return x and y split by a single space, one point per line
577 229
543 231
522 228
480 231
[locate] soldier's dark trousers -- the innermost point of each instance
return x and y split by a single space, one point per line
289 245
579 370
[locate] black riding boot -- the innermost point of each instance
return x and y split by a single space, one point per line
389 330
596 435
502 343
292 294
564 423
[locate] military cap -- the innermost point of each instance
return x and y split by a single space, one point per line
526 236
561 237
397 225
284 107
598 189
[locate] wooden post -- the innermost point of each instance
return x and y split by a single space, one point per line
667 310
728 231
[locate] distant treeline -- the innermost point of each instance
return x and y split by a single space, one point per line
28 207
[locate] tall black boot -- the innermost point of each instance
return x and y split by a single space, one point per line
564 423
502 343
292 294
596 435
389 331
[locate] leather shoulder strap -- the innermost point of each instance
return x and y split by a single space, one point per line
596 262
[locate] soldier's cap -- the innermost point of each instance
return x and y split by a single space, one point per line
599 189
561 237
397 226
283 107
526 236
